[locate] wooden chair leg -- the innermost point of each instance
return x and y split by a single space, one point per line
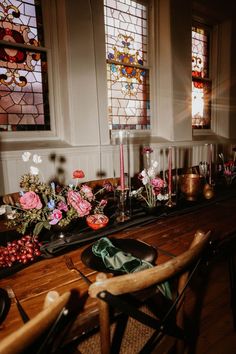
181 347
104 320
105 333
232 279
119 330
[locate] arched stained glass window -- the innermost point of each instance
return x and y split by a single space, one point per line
201 83
126 28
23 67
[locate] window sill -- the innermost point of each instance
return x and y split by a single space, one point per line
202 132
32 145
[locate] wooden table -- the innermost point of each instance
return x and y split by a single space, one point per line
171 234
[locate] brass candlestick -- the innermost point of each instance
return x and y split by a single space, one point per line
123 212
170 203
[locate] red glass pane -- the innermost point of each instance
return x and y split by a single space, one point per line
200 53
201 85
23 69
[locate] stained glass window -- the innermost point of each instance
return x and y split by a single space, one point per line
201 83
23 67
126 29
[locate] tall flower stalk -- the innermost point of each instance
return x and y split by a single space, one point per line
152 190
147 150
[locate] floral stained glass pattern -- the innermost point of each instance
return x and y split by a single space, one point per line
127 72
23 67
201 84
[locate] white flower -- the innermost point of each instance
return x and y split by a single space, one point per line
161 197
145 180
154 164
25 156
3 209
135 193
152 171
37 159
34 170
143 173
11 215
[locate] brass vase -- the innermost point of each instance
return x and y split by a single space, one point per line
190 186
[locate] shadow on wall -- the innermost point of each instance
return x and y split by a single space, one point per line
59 162
187 158
101 174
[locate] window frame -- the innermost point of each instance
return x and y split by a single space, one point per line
50 48
209 79
217 40
220 71
148 67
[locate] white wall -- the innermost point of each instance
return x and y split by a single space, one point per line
93 160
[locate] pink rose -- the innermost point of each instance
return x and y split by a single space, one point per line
55 217
30 200
87 191
73 198
108 186
157 184
62 206
82 206
228 172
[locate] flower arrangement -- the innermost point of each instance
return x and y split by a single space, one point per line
153 189
229 169
42 205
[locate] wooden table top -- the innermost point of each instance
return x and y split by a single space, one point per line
171 234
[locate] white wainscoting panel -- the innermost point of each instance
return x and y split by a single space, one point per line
100 162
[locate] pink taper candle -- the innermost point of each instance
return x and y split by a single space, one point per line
122 174
170 171
210 163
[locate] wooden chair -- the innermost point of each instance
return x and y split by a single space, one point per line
111 294
44 333
10 199
99 183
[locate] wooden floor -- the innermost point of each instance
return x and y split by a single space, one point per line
216 326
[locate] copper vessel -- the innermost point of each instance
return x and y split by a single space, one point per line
190 185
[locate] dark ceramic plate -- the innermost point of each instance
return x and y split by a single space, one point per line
5 304
137 248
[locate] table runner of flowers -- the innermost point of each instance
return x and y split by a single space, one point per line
46 205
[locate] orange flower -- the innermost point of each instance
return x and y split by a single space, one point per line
78 174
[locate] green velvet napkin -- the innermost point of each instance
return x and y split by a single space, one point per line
116 259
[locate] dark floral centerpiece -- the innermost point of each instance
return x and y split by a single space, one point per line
42 205
47 206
